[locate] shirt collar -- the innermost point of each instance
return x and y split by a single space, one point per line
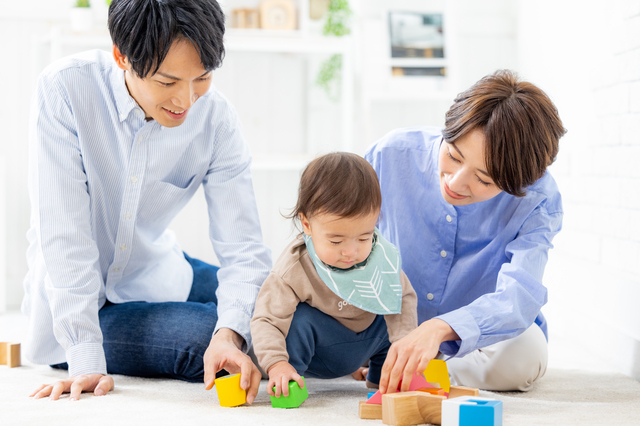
124 102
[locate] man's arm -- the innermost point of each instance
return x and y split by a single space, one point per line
61 216
236 236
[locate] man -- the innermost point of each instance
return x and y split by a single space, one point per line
118 145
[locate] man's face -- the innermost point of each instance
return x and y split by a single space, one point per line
167 95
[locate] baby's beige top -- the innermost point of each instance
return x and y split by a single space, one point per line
294 280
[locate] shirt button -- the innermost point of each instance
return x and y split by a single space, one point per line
127 215
123 247
430 296
443 253
448 218
116 269
134 179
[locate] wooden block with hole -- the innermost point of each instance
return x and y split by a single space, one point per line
411 408
10 354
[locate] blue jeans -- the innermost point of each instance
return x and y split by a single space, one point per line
319 346
162 339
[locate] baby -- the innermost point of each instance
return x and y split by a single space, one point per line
320 311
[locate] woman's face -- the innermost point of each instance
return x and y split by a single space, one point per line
463 178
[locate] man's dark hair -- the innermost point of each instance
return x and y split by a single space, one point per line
339 183
145 30
521 127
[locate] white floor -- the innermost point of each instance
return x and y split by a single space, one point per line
577 390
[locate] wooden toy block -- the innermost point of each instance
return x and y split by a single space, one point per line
458 391
10 354
296 396
411 408
471 411
230 394
417 382
370 411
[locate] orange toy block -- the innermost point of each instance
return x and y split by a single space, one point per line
10 354
433 391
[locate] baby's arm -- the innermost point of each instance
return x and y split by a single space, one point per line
399 325
272 317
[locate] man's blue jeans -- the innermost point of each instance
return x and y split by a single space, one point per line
169 339
162 339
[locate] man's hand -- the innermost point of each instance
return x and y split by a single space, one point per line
224 353
412 354
280 374
99 384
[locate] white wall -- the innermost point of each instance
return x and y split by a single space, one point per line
281 110
587 57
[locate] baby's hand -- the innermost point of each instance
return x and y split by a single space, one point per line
280 374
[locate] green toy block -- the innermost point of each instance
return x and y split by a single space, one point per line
296 396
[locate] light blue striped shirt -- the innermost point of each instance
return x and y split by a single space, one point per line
104 185
478 267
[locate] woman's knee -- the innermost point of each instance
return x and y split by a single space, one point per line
512 365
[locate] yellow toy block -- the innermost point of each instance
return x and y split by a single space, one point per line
437 372
230 394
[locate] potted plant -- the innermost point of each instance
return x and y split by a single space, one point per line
337 24
81 16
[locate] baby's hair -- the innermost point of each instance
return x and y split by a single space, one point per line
339 183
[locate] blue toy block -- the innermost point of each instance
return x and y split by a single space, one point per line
484 413
471 411
370 394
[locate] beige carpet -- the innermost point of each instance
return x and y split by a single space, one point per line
563 397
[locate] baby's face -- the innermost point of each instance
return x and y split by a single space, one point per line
341 242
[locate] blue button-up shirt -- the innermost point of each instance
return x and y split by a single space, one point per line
478 267
104 185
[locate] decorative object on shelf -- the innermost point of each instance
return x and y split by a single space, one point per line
277 15
246 18
317 8
417 37
338 25
81 16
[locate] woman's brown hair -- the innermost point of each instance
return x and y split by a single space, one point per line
521 127
339 183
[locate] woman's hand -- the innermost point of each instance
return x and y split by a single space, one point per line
280 374
412 354
99 384
224 353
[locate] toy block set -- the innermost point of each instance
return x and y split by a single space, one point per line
10 354
432 399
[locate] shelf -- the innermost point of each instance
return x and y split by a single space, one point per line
235 41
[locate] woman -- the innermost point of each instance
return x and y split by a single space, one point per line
473 212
